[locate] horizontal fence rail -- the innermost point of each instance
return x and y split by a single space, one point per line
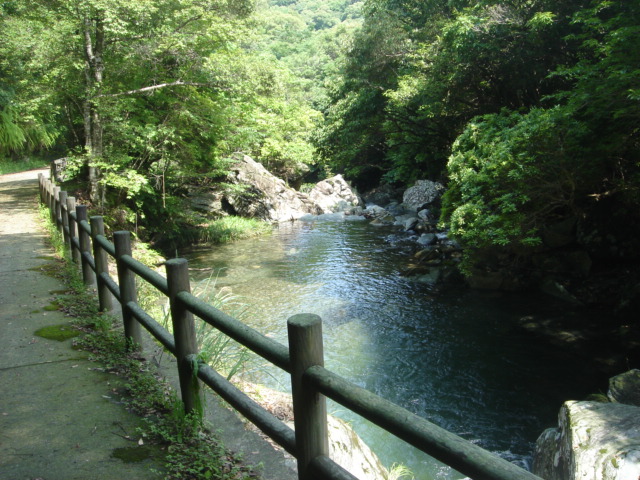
303 359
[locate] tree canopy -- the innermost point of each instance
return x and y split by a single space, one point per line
527 110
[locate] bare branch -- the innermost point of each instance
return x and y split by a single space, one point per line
162 85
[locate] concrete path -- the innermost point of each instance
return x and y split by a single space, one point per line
58 418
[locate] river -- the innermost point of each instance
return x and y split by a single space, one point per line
455 357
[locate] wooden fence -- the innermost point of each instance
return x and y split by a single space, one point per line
303 359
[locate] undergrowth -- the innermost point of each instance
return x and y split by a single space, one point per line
220 231
191 451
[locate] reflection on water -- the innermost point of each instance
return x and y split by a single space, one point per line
451 357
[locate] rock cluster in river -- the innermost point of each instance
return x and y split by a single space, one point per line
595 440
252 191
562 266
436 256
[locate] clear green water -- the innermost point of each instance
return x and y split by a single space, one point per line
454 357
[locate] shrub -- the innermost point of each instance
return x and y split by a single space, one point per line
510 173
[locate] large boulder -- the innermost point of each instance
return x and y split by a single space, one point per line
422 194
263 195
335 194
252 191
593 441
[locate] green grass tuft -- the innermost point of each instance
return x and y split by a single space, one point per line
229 229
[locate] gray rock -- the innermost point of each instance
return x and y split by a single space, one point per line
335 194
379 215
423 193
396 209
383 195
593 441
383 220
432 277
259 194
410 223
427 239
373 211
346 448
263 195
424 215
402 220
625 388
205 201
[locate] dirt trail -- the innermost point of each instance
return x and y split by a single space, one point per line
58 417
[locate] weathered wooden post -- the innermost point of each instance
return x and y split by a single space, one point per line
309 406
102 264
128 293
64 217
49 202
41 187
71 208
88 276
184 333
59 196
54 206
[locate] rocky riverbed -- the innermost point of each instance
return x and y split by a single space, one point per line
413 214
576 263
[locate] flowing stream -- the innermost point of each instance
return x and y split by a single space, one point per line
455 357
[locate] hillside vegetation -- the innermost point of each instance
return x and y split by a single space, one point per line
528 111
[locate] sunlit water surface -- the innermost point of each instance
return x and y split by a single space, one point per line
454 357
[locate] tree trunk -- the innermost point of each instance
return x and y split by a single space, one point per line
94 68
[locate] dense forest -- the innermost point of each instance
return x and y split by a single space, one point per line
528 111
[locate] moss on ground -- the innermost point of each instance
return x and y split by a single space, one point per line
57 332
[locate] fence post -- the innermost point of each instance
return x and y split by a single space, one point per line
41 187
71 207
184 334
309 406
58 208
54 201
50 198
102 264
64 217
88 276
128 293
45 192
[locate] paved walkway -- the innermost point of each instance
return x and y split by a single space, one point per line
58 420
